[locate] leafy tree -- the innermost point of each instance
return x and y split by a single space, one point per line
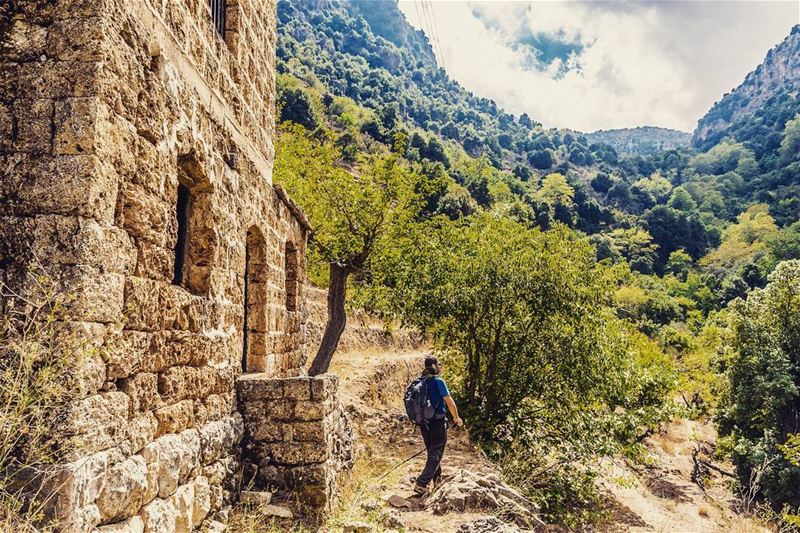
785 244
657 186
555 190
744 241
558 195
679 263
682 201
526 313
295 106
355 215
761 407
602 182
790 145
456 203
522 172
541 159
633 245
672 230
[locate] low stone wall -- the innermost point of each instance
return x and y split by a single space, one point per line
168 485
297 439
362 332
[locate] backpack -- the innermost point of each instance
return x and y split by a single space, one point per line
417 401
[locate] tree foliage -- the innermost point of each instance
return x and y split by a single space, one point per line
762 406
355 213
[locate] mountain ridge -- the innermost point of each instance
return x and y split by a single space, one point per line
641 140
773 82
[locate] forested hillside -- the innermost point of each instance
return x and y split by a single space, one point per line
435 206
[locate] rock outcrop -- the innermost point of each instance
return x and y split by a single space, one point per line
777 78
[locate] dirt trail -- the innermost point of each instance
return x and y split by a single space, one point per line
658 497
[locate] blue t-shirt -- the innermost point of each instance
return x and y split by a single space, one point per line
437 390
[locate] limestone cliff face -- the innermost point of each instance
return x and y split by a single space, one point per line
777 77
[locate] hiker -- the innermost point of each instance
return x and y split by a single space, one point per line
434 431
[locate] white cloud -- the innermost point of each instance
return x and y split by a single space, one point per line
654 63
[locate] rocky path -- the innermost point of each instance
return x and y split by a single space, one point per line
661 496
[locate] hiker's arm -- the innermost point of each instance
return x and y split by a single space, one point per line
451 405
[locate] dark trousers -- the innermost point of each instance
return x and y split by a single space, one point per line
435 437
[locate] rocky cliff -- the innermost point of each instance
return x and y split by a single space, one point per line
642 140
775 81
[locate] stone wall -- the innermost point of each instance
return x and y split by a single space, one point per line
297 438
136 150
362 331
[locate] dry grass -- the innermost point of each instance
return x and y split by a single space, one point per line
356 503
38 351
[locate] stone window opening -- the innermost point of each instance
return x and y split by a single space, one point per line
182 209
195 239
218 15
256 294
290 268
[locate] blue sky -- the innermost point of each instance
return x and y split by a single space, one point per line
591 65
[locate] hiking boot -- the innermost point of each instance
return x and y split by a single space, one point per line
420 490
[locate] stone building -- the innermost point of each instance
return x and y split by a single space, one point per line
136 153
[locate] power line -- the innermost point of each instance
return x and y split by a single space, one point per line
432 32
436 33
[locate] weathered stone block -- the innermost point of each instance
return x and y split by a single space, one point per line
267 432
183 502
125 352
75 120
142 390
219 406
297 388
282 410
78 39
24 41
98 422
34 119
126 484
159 516
69 184
202 500
175 417
258 387
298 453
218 436
181 382
79 483
55 79
132 525
141 431
310 431
323 387
311 410
146 215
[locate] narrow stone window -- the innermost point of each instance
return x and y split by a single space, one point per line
182 210
256 295
290 267
218 12
196 238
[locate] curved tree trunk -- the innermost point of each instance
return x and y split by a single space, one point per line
336 319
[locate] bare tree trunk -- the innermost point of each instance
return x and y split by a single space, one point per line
336 319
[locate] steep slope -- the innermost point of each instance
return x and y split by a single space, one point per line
374 56
757 110
642 140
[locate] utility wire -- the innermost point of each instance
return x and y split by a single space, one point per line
434 37
428 29
436 34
